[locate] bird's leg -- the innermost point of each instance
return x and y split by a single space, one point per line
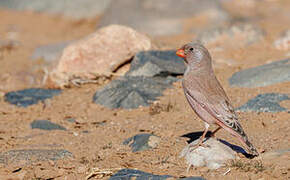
200 143
215 131
188 168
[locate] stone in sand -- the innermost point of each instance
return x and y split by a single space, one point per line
99 54
46 125
268 102
212 157
133 173
156 63
264 75
141 142
27 97
132 92
128 174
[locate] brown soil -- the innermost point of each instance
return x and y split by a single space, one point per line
101 148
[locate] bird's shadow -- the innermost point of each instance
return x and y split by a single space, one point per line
196 135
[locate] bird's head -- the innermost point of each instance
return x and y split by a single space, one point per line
194 54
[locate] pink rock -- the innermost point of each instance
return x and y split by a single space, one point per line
97 55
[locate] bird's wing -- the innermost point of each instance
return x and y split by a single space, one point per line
209 94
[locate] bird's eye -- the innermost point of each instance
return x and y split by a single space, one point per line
191 49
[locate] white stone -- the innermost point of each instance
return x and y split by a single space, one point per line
214 156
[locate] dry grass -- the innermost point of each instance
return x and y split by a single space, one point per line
251 166
157 108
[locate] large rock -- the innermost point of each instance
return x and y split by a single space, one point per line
214 156
77 9
150 73
163 17
49 52
156 63
131 92
265 103
97 55
33 155
235 36
264 75
27 97
141 142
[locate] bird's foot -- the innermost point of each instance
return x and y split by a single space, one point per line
213 136
195 146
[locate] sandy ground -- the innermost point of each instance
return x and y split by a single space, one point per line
101 148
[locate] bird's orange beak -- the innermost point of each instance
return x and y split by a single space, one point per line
180 53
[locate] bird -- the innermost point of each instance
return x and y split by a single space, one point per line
207 97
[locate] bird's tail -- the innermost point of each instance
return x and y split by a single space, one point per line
244 139
250 146
238 132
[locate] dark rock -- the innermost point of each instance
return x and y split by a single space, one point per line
132 92
33 155
49 52
264 75
128 174
265 103
156 63
77 9
161 17
141 142
46 125
31 96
